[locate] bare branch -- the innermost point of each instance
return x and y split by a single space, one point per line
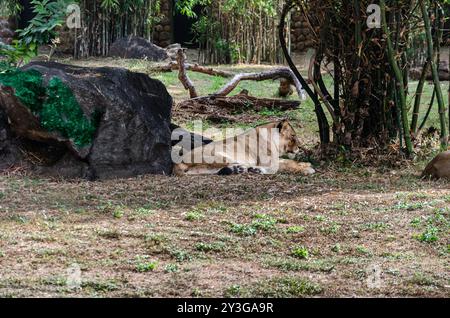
182 75
173 66
283 72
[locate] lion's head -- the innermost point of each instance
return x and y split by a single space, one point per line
289 143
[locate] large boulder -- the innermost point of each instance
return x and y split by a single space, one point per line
133 47
129 111
443 72
439 167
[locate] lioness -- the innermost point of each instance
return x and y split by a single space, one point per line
238 154
439 167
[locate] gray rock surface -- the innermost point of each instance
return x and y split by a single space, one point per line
133 47
133 135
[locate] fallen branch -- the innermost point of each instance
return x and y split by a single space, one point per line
241 101
283 72
174 66
182 75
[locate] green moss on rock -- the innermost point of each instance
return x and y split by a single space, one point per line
27 85
54 105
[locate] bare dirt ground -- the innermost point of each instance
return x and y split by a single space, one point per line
339 234
348 231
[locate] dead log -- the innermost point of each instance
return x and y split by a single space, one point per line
174 66
182 75
239 102
285 75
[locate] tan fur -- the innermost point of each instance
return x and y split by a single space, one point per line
289 145
439 167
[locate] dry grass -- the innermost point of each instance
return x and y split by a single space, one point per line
263 236
215 236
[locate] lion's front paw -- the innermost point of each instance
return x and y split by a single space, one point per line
308 171
305 168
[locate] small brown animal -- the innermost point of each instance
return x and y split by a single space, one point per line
439 167
285 89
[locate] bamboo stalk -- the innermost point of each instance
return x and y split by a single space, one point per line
400 80
434 71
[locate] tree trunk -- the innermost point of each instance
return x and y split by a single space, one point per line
324 127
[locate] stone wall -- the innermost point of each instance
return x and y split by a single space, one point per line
6 30
301 38
163 32
66 40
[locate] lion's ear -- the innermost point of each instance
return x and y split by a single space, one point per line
282 125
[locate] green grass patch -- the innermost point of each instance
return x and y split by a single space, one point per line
143 264
194 216
262 222
295 229
210 247
430 235
280 287
296 265
100 286
171 268
300 252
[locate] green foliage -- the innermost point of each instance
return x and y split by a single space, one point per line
226 49
143 264
9 8
432 225
48 16
187 7
262 222
18 52
41 30
201 27
171 268
180 256
146 267
243 229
